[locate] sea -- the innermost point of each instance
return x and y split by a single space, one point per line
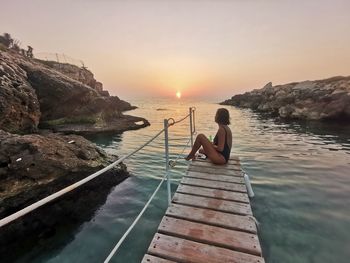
300 173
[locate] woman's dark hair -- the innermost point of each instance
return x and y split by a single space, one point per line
222 116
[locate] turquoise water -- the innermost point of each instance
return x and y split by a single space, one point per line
300 175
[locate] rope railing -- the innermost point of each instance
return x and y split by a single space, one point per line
173 163
121 240
167 123
116 247
69 188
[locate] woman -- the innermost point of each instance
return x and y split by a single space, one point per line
218 151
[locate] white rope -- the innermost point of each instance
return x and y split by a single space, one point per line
173 163
133 223
69 188
184 118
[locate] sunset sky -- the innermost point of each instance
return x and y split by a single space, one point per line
211 49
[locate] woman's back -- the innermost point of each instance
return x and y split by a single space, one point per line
227 141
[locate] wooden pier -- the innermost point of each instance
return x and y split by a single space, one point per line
209 219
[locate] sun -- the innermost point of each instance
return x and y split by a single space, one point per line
178 94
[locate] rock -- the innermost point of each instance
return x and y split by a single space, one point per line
327 99
61 96
33 167
117 125
33 93
80 74
19 105
99 87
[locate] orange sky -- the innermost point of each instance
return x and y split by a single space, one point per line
211 49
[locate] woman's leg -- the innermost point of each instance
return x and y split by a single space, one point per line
208 148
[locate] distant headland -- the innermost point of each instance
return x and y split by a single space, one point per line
327 99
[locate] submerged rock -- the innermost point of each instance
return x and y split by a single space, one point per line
327 99
87 127
35 166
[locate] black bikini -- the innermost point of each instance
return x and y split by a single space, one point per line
226 151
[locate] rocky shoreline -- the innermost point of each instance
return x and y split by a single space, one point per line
44 107
34 166
321 100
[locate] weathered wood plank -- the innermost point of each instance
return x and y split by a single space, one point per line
216 177
235 158
207 161
213 170
210 164
211 217
212 203
217 185
152 259
211 235
213 193
182 250
232 160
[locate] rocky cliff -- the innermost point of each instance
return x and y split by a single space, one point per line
35 95
19 104
35 162
80 74
327 99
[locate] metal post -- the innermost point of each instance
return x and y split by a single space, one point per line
166 141
191 131
194 119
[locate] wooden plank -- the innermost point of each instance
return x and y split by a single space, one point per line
212 170
212 203
181 250
208 163
222 166
211 217
232 160
152 259
216 177
211 235
213 193
214 185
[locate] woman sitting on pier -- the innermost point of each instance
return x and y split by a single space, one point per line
218 151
